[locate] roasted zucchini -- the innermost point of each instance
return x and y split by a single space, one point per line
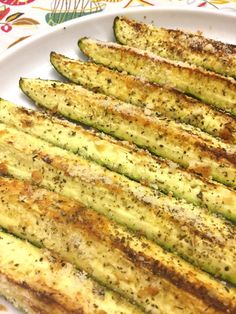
161 100
178 45
211 88
37 281
205 240
137 268
123 158
160 135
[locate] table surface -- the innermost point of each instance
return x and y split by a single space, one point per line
20 19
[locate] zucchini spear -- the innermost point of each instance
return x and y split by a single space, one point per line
214 89
141 93
37 281
123 158
159 135
205 240
177 45
133 266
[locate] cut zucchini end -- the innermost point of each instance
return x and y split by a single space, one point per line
81 43
115 28
55 60
53 56
21 84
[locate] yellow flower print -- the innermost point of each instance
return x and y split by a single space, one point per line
220 1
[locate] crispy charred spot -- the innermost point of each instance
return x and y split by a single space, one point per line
60 209
137 26
218 153
149 291
200 43
47 298
47 159
93 223
56 162
36 176
26 123
3 168
157 268
37 309
24 111
227 132
204 171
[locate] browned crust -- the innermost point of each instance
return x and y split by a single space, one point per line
43 115
97 226
228 128
28 114
137 115
221 48
227 131
230 83
143 83
218 153
99 222
38 297
62 164
59 208
157 268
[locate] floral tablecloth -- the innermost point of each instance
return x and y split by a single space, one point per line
20 19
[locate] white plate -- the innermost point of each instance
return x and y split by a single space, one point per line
31 58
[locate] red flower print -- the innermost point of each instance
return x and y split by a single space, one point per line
3 11
6 28
16 2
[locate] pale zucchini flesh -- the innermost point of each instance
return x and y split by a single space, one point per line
154 97
38 281
212 88
205 240
123 158
127 263
159 135
177 45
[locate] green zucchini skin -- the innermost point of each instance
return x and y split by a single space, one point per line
177 45
132 265
199 237
211 88
38 281
141 93
161 136
124 158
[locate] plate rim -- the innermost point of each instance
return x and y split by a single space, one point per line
171 8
